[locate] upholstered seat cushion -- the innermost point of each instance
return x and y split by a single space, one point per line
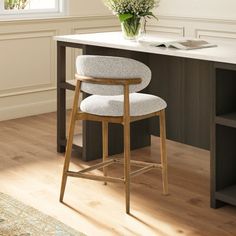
140 104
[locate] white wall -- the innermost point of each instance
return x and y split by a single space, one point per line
28 53
206 19
210 9
87 7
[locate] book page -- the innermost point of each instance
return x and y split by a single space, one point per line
183 44
186 44
193 43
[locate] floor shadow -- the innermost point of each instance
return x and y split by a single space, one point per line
92 220
145 223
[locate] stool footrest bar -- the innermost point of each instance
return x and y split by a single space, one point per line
97 166
95 177
142 170
140 163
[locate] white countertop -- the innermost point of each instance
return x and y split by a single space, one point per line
224 52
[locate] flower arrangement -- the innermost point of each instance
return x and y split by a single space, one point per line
130 13
15 4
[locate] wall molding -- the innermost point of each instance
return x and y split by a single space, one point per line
173 30
60 19
64 19
39 34
197 19
214 29
30 109
216 34
27 34
27 92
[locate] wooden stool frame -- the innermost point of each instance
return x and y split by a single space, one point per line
125 120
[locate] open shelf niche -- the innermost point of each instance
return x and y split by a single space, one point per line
223 162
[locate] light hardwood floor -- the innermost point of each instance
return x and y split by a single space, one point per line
30 170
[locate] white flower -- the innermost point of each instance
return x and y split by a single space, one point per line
134 7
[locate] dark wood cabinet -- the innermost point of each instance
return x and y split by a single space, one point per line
223 150
185 84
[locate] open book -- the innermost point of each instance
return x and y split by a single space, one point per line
187 44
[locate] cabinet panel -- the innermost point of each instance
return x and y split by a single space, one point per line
167 83
197 102
185 84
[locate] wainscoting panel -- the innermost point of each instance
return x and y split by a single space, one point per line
28 61
226 36
212 29
28 54
166 30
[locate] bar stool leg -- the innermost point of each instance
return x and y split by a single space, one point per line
127 165
163 152
70 141
104 146
126 126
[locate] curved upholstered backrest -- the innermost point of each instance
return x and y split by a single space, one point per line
111 67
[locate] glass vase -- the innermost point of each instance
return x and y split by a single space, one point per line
131 28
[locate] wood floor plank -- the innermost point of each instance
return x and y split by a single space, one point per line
30 170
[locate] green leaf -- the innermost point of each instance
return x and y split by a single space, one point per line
148 14
124 17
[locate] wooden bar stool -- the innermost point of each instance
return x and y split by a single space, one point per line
114 83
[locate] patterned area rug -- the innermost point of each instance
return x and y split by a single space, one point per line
18 219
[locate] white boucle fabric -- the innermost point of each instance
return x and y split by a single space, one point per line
140 104
111 67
